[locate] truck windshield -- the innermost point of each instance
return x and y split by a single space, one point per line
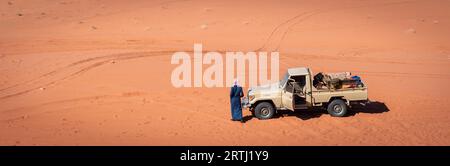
284 80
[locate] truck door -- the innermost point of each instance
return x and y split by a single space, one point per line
308 91
300 100
287 95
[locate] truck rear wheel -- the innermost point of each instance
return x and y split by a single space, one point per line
337 108
264 110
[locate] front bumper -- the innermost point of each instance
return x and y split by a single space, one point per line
245 102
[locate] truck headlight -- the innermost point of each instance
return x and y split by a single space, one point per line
250 94
251 97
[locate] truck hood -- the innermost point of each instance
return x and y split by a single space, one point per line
265 89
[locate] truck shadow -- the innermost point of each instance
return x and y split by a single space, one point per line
371 108
374 107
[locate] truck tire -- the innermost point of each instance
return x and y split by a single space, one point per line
337 108
264 110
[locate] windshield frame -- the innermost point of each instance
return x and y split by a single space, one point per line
284 80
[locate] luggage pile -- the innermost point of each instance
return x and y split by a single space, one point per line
334 81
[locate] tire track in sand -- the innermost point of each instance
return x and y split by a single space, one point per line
279 33
291 62
71 70
75 69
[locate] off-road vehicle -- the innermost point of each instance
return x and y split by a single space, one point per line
300 90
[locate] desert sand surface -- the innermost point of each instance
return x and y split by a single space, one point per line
97 72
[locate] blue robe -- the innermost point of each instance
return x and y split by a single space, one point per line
235 98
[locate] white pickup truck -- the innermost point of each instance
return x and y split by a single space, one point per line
299 90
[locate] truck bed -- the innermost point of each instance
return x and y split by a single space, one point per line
350 94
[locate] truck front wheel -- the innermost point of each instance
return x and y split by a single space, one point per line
337 108
264 110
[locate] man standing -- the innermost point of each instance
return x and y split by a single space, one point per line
235 100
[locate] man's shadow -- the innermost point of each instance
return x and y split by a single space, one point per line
369 108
